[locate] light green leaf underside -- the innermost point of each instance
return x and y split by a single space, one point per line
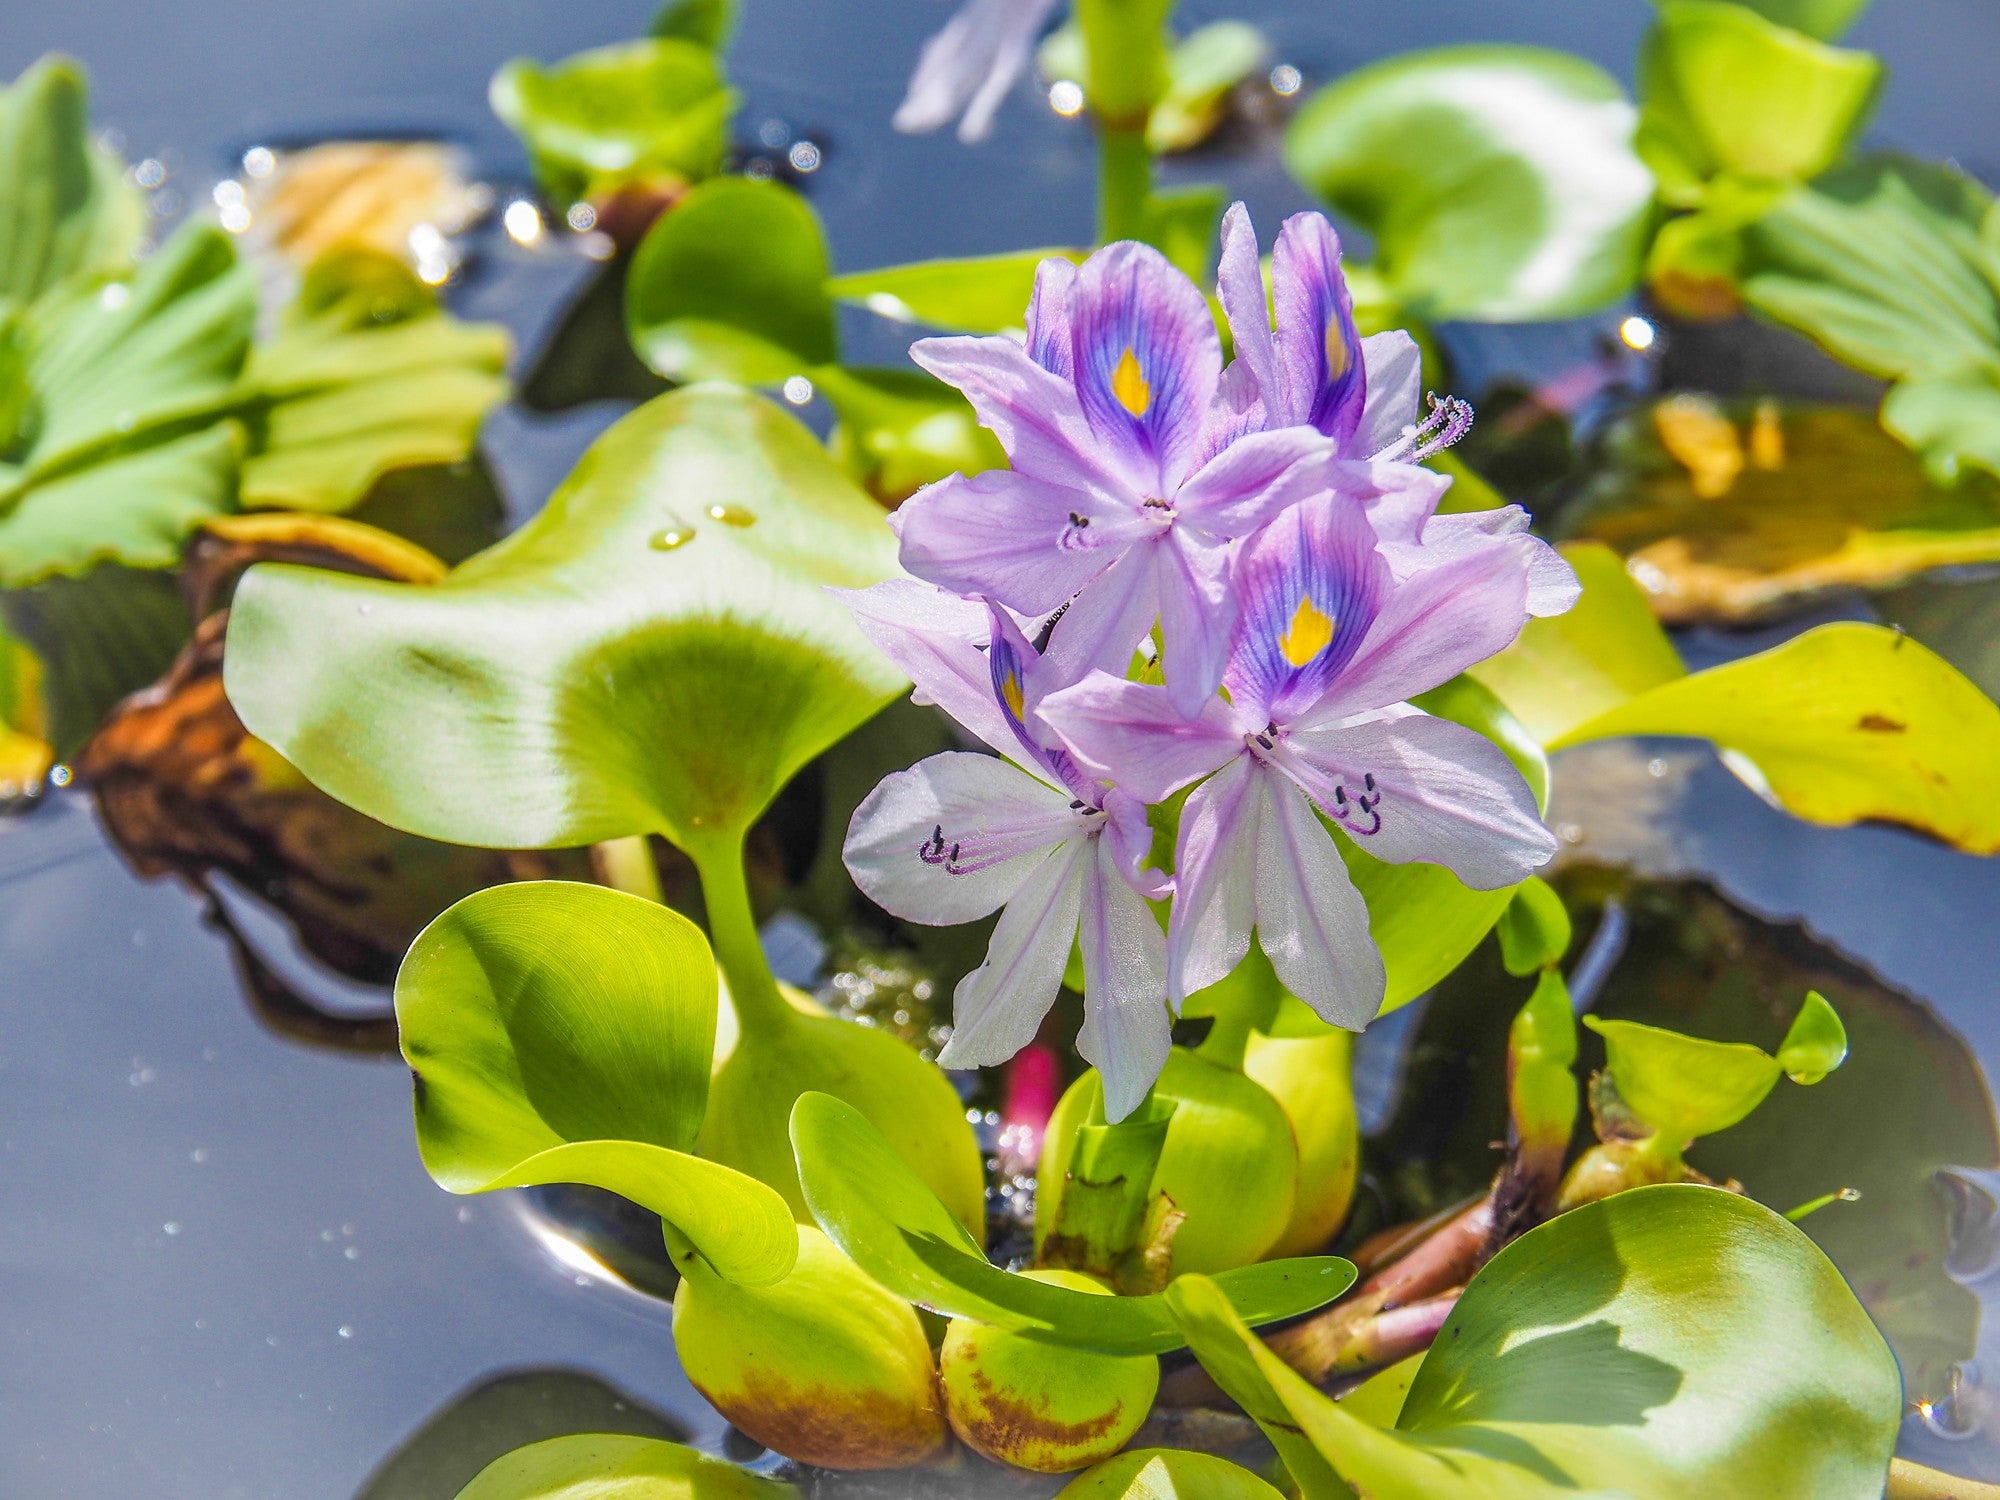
885 1220
564 1033
655 652
1500 182
974 294
603 1466
1664 1342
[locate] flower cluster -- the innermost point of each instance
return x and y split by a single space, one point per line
1225 578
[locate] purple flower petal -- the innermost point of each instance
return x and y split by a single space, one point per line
1131 734
1126 1032
1311 920
1236 412
1105 623
1011 538
1215 880
953 837
1048 317
1250 482
1395 371
1018 687
1414 787
1325 380
1311 584
1129 836
1400 497
1147 361
1032 412
1239 284
936 640
1552 582
999 1006
1197 617
1432 626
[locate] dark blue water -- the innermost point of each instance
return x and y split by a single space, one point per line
223 1272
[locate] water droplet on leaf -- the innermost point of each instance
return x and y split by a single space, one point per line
670 538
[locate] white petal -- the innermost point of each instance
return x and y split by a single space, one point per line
1214 884
1002 821
999 1006
1311 920
1449 796
1126 1033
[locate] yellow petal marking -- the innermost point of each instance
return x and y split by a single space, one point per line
1010 689
1128 384
1310 633
1336 348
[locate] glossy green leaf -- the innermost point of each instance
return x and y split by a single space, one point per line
1203 69
1569 668
1844 724
900 430
602 1466
130 384
655 652
732 285
1684 1086
1664 1342
970 294
1952 425
1422 917
65 210
707 23
652 114
1881 262
1166 1474
1499 182
368 374
1534 929
563 1033
1724 90
1816 1044
899 1232
1181 221
1824 19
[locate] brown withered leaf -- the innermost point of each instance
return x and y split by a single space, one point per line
1733 512
370 193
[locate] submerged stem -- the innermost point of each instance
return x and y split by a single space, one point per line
732 931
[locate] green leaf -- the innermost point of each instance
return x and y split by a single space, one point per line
367 375
1422 917
897 1230
1843 724
1499 182
130 382
1166 1474
564 1033
600 1466
97 638
1724 90
1952 425
652 115
1534 930
707 23
65 210
731 285
655 652
970 294
1683 1086
1816 1044
1881 263
1181 221
1568 669
1824 19
900 430
1203 69
1668 1341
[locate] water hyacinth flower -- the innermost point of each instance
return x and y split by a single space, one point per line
961 834
1329 647
967 69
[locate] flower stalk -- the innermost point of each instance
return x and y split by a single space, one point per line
1108 1224
732 932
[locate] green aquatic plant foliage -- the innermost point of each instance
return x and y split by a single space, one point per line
654 653
65 209
1500 183
1534 929
707 23
650 116
367 374
1667 1341
1893 266
1846 723
605 1466
1167 1474
1203 68
896 1229
965 294
560 1032
1821 19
